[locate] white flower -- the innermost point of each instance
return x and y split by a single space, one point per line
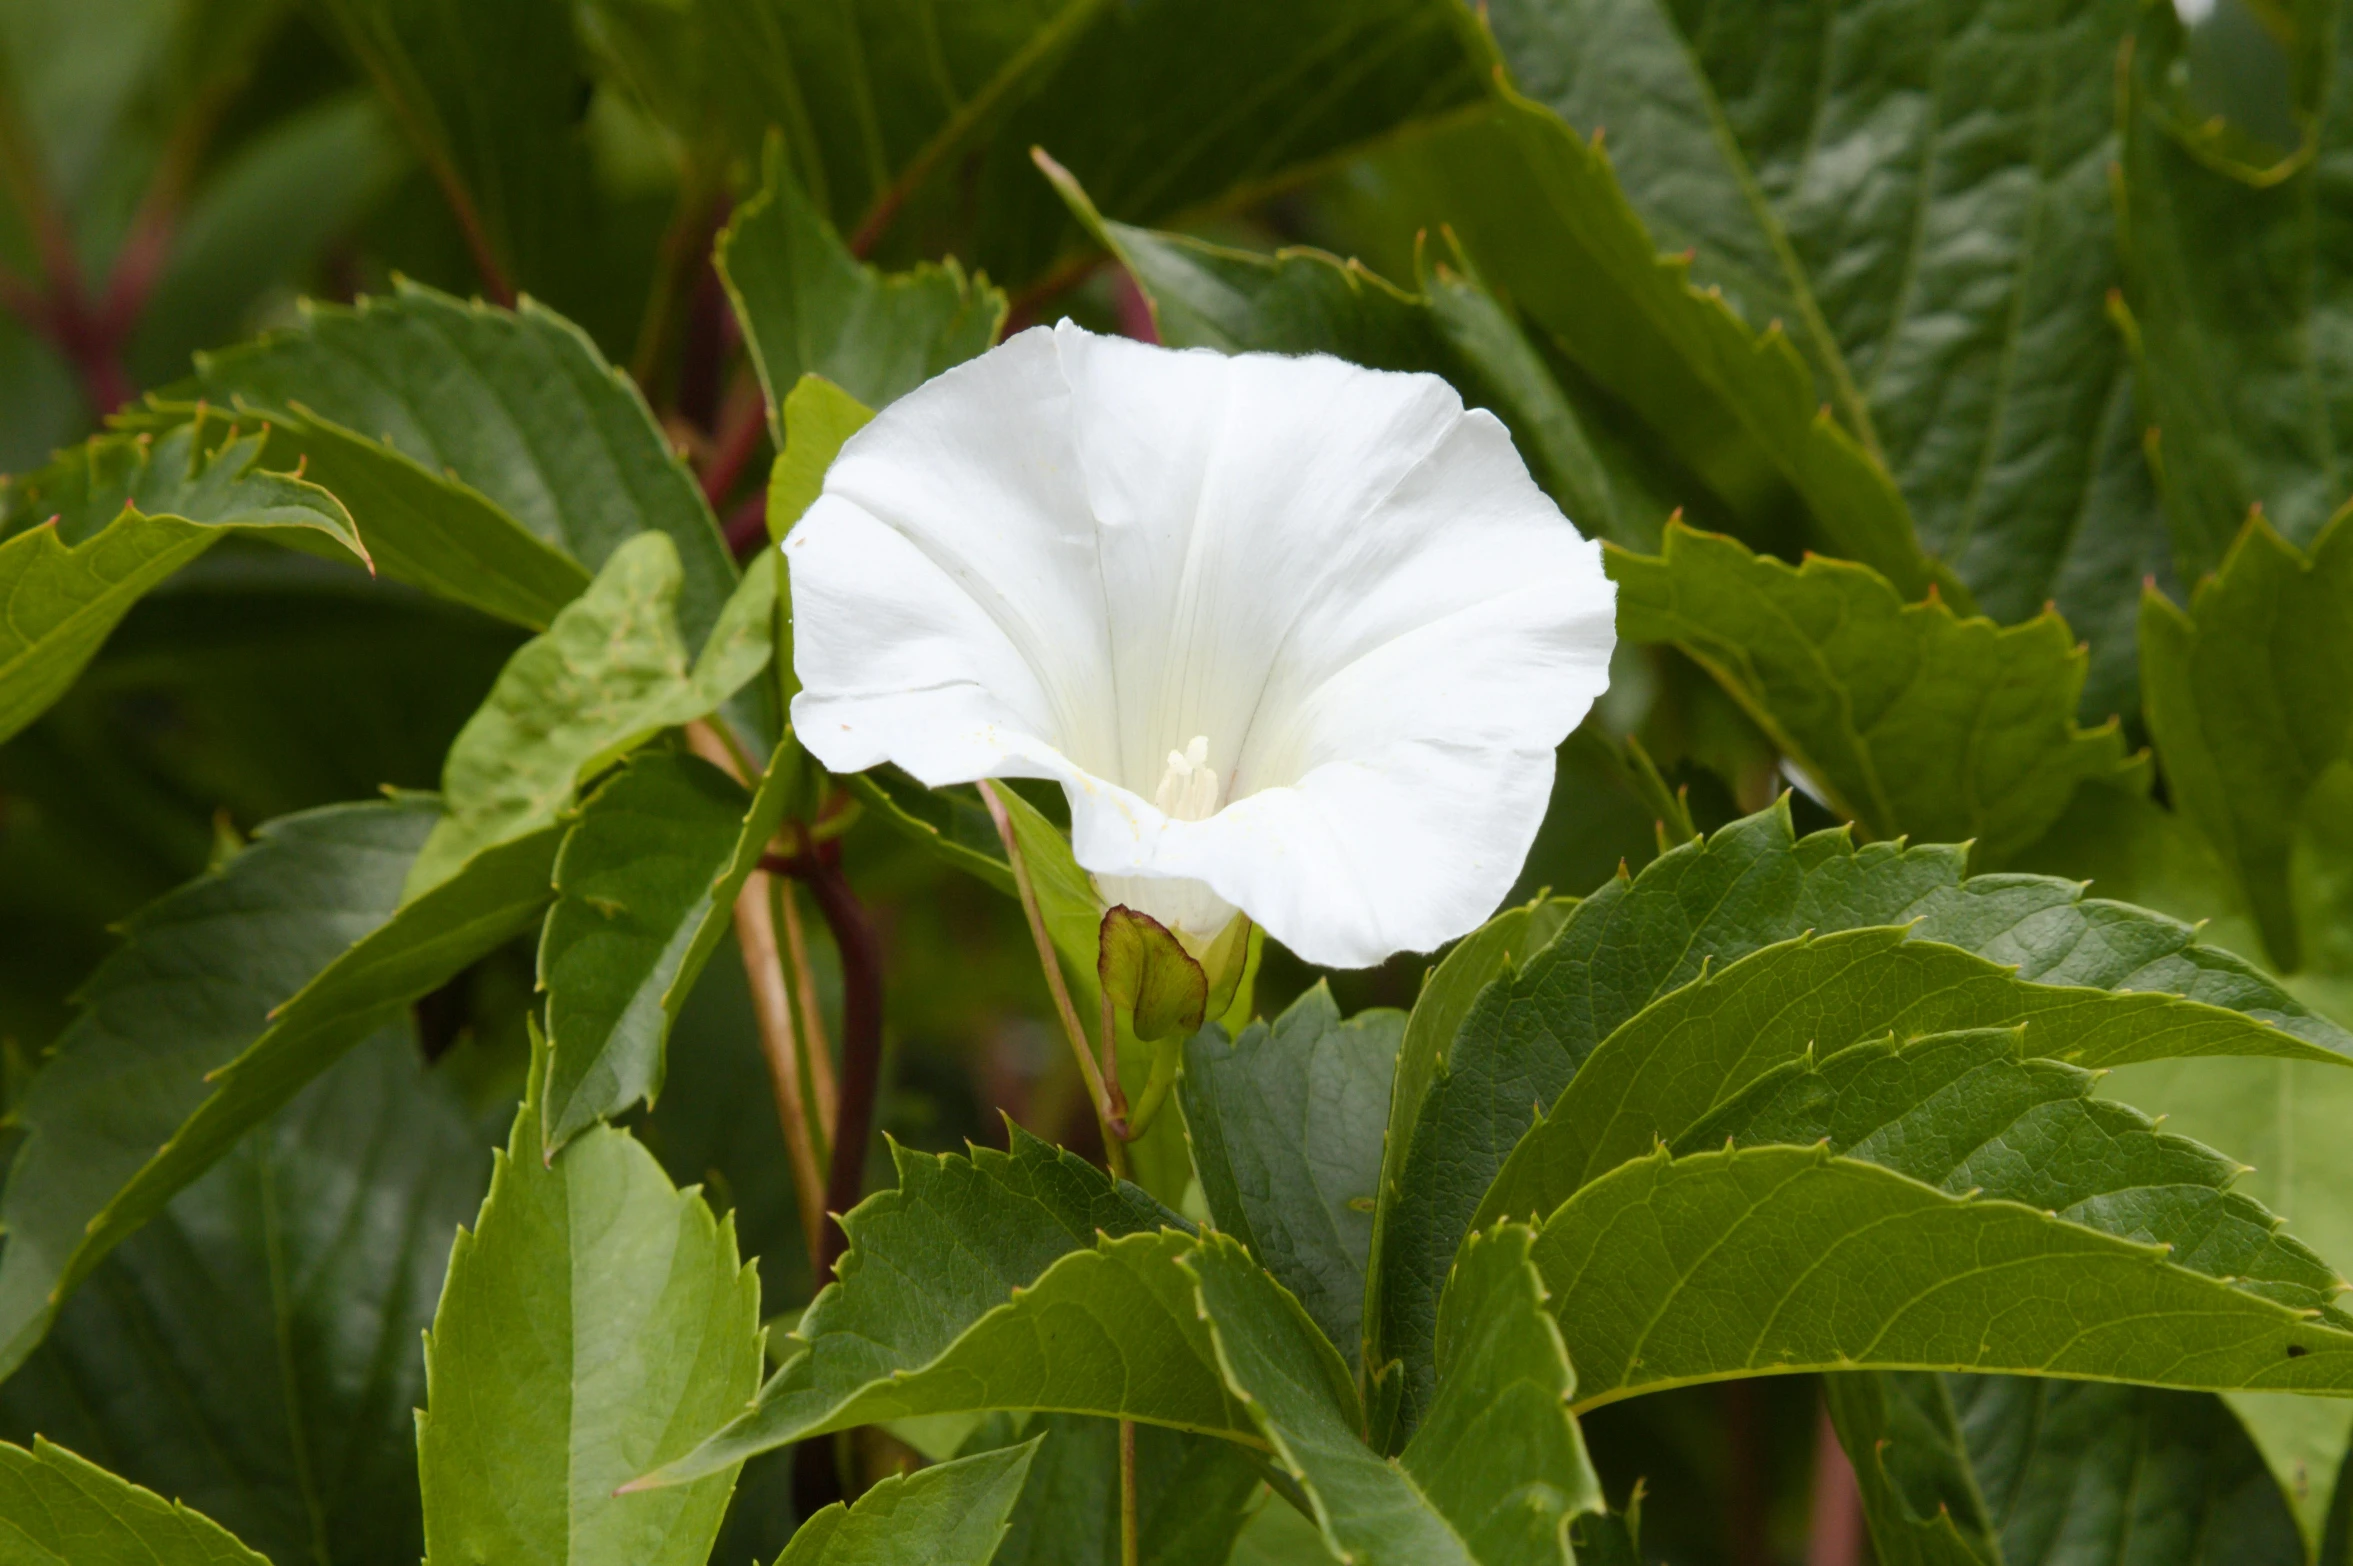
1295 637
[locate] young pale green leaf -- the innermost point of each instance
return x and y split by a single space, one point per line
58 1510
1194 1493
1304 301
1945 276
592 1323
645 883
608 674
1918 1484
1501 1468
1912 720
109 520
1018 1280
178 1052
2235 289
1286 1124
1766 1260
1544 219
809 307
1658 1077
253 1351
817 417
954 1514
2248 699
516 408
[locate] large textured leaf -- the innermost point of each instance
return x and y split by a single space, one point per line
809 307
608 674
1194 1494
593 1324
1286 1126
1304 301
178 1053
1498 1470
929 111
1018 1280
111 519
1711 903
951 1515
1762 1260
1542 215
645 884
2249 703
2237 293
1909 718
1662 1075
253 1352
1919 194
512 413
57 1508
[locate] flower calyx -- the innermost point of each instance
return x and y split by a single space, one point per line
1164 988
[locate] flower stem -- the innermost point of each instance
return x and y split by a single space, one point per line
861 1078
1114 1150
755 933
819 1059
1127 1493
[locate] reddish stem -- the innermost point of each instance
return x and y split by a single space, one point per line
1837 1538
746 426
747 525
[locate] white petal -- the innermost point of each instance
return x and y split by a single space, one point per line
1075 556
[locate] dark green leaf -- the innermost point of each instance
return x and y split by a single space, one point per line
1918 1485
253 1351
1193 1494
808 307
951 1515
645 884
594 1321
1021 1280
1908 718
1286 1124
57 1510
1766 1260
608 674
227 997
106 522
949 822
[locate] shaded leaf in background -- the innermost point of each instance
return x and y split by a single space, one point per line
253 1352
1193 1493
593 1322
55 1506
645 884
606 676
1910 719
1920 195
109 521
2236 292
809 307
227 996
1286 1125
951 1514
1918 1484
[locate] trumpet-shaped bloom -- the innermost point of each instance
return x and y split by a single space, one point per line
1295 637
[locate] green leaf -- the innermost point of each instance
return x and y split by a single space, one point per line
2247 699
645 885
593 1322
1944 274
54 1507
950 1515
1499 1469
1768 1260
808 306
253 1351
2234 287
1910 719
1019 1280
1662 1075
1544 219
1913 1468
1286 1125
1158 107
1194 1493
91 533
950 823
817 417
1304 301
515 431
607 675
1712 903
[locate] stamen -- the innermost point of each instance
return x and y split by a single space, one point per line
1189 788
